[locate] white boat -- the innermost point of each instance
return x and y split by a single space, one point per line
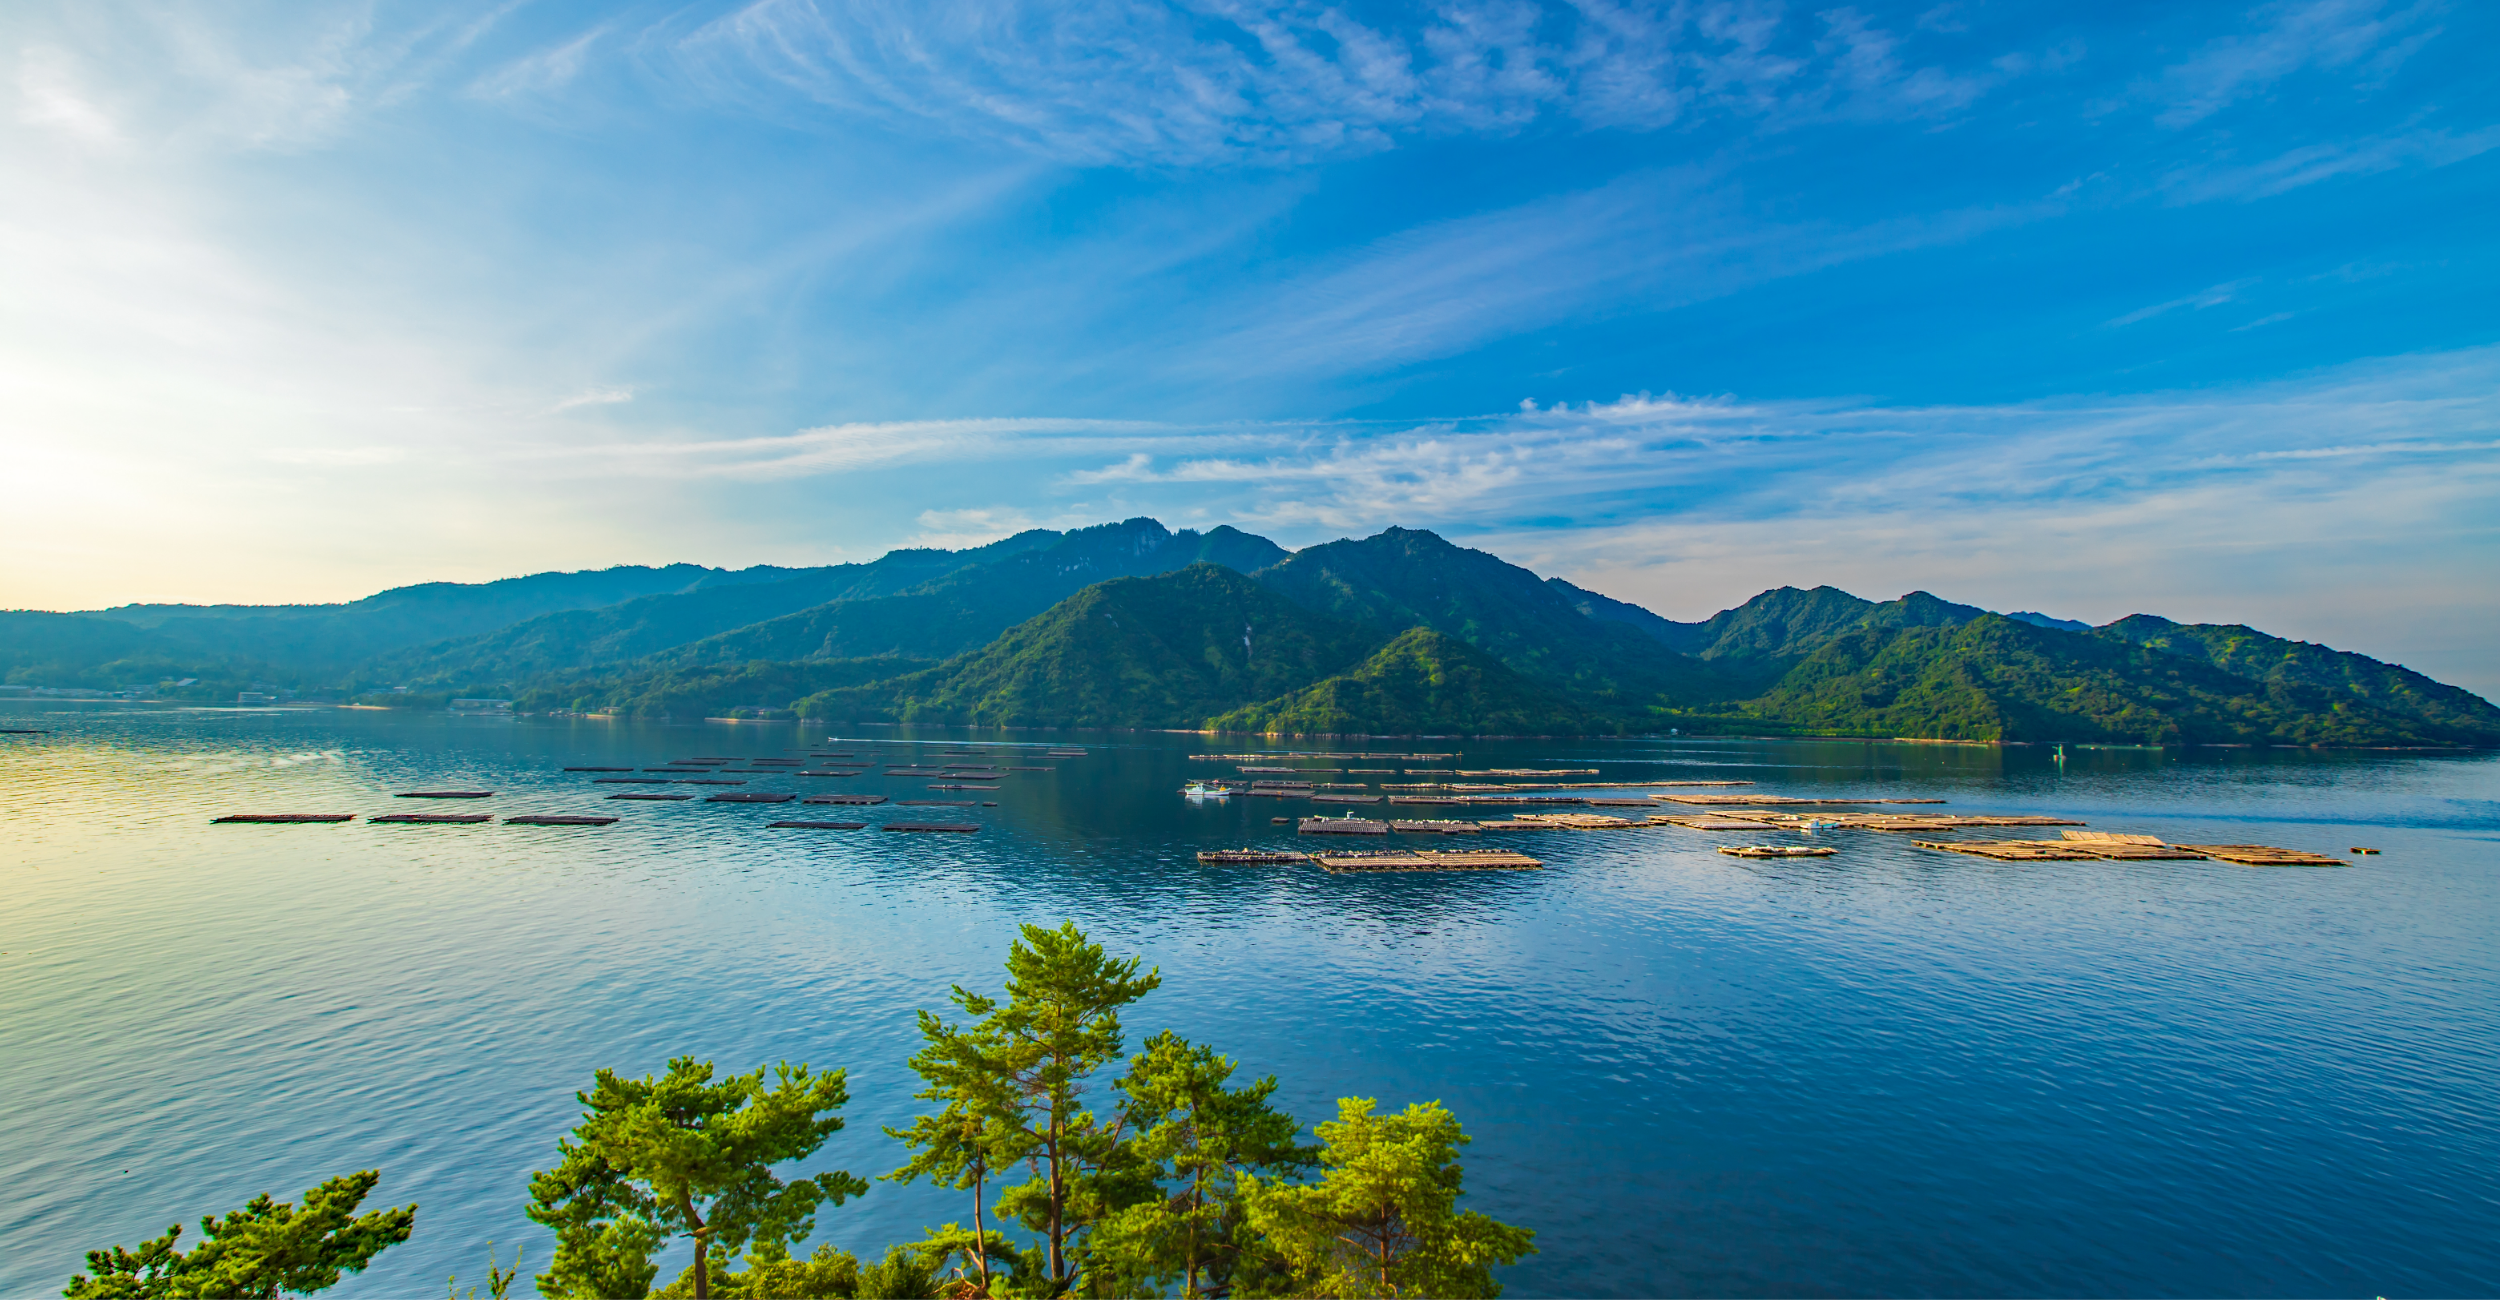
1203 790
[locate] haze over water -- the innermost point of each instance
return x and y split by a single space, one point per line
1893 1071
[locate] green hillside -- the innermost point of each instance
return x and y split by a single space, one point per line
1996 679
1167 651
1422 683
2458 715
580 641
739 690
965 610
1403 578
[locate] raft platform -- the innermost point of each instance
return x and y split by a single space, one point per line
1433 828
280 819
960 827
748 796
653 798
557 819
2014 850
1342 826
860 800
429 819
1249 857
816 826
1429 860
630 780
1775 851
598 769
446 794
2262 855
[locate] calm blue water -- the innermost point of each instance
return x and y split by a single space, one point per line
1889 1072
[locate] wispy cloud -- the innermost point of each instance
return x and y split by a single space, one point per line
1142 81
595 397
2213 296
2364 36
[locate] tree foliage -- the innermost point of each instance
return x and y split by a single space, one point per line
264 1250
1383 1220
681 1154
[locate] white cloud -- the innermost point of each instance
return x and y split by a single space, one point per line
958 529
1198 81
51 94
2288 38
595 397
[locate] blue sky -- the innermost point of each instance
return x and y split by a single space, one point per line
2088 309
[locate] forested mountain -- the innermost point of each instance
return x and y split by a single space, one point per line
1134 625
337 636
1422 683
1167 651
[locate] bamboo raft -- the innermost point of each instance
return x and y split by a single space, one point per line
1345 798
2262 855
1342 826
961 827
1429 860
652 798
816 826
749 796
1775 851
1249 857
429 819
446 794
951 786
1578 821
281 819
1433 828
861 800
558 820
704 781
1740 800
2014 850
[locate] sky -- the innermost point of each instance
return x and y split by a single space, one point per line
2086 309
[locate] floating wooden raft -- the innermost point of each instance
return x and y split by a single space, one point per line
1437 800
694 781
964 827
430 819
2128 848
1775 851
1063 753
446 794
2014 850
280 819
776 762
1707 823
2262 855
1249 857
860 799
854 771
1434 828
1738 800
937 803
1429 860
949 785
1528 771
1579 821
1345 798
631 780
1517 826
1342 826
654 798
556 820
598 769
23 731
816 826
749 796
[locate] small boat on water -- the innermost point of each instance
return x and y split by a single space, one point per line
1205 790
1776 851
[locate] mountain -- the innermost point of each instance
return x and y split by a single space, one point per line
335 636
1992 678
1404 578
579 640
2460 716
45 649
738 690
2044 620
1165 651
1422 683
967 608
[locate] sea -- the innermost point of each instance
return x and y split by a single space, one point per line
1890 1071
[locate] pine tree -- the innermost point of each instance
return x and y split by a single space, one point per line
679 1153
1383 1220
266 1249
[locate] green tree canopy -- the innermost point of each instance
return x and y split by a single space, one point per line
1013 1083
264 1250
1196 1138
1383 1220
680 1153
